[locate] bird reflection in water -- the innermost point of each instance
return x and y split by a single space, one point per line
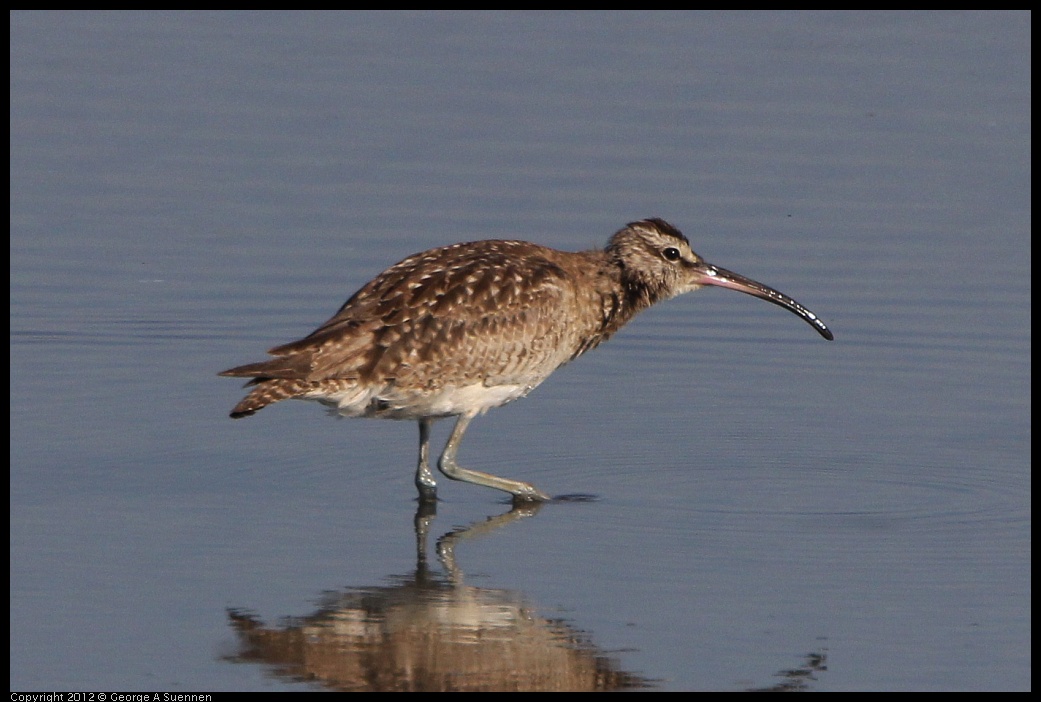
429 631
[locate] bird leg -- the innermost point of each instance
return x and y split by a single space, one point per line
522 492
425 482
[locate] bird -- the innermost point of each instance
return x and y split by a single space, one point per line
461 329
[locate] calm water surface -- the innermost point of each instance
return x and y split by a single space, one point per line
764 509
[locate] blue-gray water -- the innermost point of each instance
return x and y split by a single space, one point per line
188 190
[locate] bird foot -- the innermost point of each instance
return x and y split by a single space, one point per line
530 493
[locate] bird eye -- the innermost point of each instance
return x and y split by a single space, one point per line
671 254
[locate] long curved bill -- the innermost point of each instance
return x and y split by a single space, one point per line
707 274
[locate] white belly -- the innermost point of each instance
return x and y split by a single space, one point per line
395 403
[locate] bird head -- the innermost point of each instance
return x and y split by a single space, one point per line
657 263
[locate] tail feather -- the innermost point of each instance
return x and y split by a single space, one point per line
287 368
283 378
274 380
268 391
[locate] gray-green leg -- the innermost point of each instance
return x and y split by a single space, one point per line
522 492
425 482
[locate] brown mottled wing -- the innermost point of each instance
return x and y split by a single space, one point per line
491 310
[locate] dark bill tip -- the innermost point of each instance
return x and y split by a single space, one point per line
721 277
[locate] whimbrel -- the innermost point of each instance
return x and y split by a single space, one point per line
458 330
